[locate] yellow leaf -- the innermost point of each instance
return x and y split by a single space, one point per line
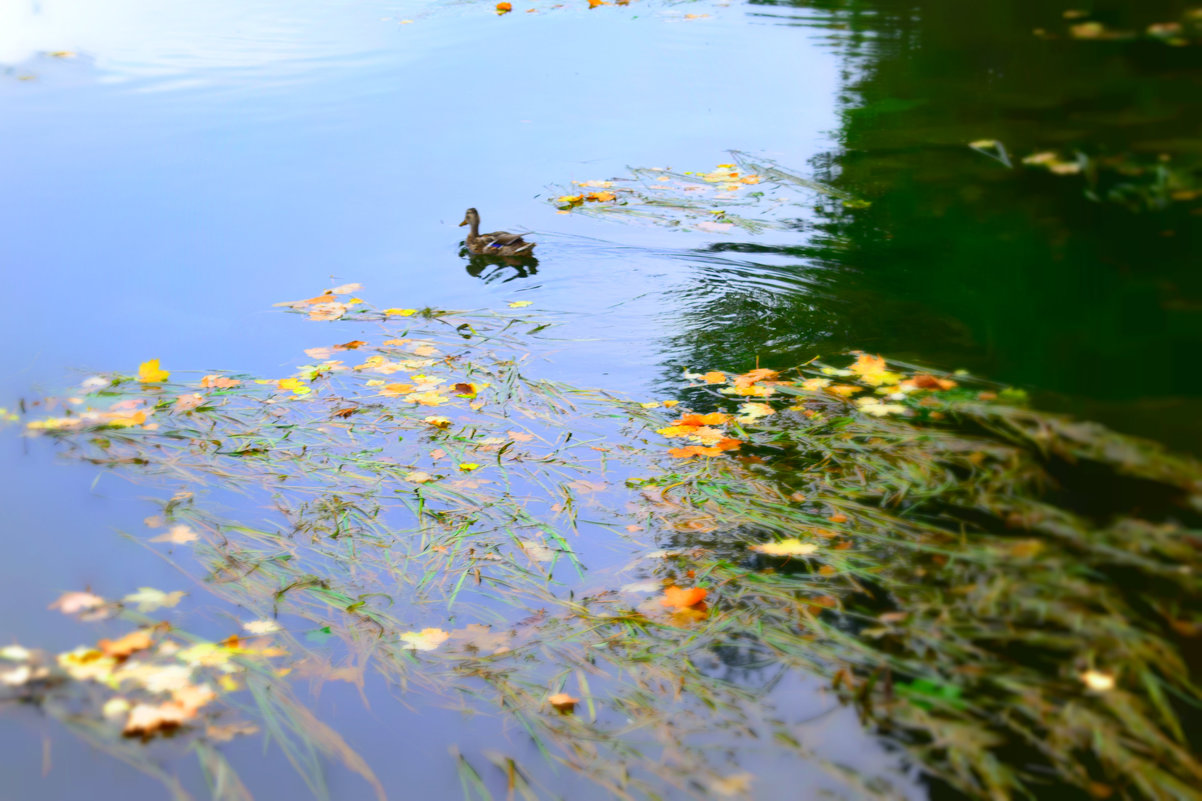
418 477
1098 681
400 312
517 304
294 384
425 640
468 467
872 370
427 398
789 547
150 373
436 421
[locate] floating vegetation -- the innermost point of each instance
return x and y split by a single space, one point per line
972 577
749 194
1182 32
1140 183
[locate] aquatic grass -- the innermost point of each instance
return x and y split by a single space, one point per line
954 598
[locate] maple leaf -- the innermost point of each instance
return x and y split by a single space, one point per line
750 412
563 702
400 312
711 419
926 381
676 431
468 467
815 384
519 436
87 664
123 647
328 311
600 197
789 547
690 451
146 720
72 602
149 372
425 640
295 385
873 370
345 289
504 8
261 626
418 477
427 398
714 377
218 382
396 390
179 535
148 599
517 304
683 597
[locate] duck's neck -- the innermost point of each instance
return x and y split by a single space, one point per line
474 230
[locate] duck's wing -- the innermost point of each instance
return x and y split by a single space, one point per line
501 238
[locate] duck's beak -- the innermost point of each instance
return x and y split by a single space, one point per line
463 223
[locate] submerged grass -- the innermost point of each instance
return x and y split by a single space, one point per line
999 593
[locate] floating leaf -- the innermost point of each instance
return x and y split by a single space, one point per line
1098 681
563 702
123 647
261 626
789 547
218 382
148 599
178 535
425 640
149 372
683 597
71 603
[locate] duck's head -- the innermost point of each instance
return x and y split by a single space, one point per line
471 216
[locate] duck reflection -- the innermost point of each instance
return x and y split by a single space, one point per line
500 269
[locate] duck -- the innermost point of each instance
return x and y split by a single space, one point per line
498 243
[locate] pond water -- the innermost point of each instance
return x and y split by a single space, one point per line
177 168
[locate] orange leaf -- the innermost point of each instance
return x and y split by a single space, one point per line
758 374
218 382
563 702
925 381
683 597
129 644
711 419
690 451
714 377
728 444
504 8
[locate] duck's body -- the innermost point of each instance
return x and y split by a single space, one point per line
498 243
